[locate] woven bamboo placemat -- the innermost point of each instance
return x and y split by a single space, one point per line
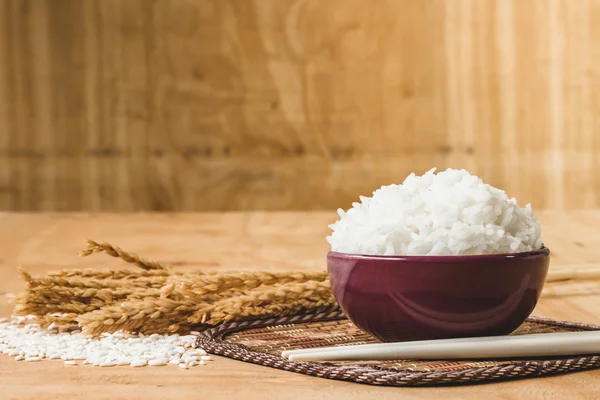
262 341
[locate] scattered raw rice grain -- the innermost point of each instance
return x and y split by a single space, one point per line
32 343
180 349
138 363
107 364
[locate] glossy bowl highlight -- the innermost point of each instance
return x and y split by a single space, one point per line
398 298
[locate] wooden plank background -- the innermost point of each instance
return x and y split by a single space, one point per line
293 104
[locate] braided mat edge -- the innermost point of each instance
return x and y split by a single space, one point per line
213 341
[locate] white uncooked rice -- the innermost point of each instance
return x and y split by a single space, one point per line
449 213
28 342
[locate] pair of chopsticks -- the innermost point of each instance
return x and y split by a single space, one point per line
536 345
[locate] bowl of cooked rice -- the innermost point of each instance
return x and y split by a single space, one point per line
439 256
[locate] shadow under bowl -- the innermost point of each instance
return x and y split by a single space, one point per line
398 298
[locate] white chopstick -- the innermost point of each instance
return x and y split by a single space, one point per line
545 344
369 347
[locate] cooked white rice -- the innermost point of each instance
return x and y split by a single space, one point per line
449 213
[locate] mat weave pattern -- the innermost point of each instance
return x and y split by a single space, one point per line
262 341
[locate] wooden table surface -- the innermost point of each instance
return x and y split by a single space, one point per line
253 241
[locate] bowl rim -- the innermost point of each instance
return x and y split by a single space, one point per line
540 253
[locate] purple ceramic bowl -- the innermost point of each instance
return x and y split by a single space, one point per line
398 298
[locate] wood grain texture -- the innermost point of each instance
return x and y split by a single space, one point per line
254 241
293 104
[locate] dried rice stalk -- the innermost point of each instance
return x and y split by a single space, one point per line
95 247
112 274
272 301
192 287
153 298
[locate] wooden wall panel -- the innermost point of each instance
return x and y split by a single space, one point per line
293 104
